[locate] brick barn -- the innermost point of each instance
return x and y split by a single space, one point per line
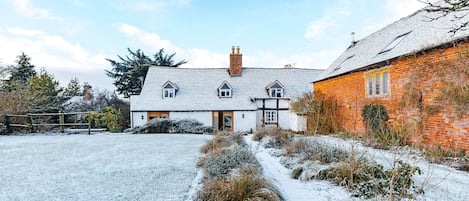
417 69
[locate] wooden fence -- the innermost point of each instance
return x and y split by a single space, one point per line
30 121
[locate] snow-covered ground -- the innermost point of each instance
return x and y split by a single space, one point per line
440 182
99 167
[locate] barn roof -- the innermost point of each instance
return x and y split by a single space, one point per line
414 33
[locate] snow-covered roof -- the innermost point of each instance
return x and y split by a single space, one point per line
408 35
198 87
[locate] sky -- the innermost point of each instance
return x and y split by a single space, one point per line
73 38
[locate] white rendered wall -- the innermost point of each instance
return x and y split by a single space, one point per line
139 118
203 117
284 119
298 123
244 121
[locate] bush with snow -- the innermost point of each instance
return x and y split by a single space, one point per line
172 126
220 164
233 172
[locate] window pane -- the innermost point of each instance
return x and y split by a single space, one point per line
271 116
370 85
227 121
377 84
385 83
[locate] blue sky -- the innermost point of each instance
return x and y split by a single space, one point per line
72 38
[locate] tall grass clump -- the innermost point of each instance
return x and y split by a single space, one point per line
313 150
244 187
233 172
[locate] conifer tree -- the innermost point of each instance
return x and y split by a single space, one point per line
129 73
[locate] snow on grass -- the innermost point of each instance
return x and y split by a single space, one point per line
292 189
99 167
440 182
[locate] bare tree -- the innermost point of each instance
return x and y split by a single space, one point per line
458 9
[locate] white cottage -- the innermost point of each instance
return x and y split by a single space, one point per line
238 99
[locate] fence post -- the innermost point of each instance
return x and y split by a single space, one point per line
61 122
31 122
89 126
7 124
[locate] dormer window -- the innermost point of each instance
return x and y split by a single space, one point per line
275 89
225 90
169 90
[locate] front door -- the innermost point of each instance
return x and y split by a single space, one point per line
223 120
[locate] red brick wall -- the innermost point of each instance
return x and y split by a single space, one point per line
429 128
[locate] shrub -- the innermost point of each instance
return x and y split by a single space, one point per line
219 164
368 179
375 117
108 117
296 173
216 144
260 134
278 138
240 188
313 150
321 112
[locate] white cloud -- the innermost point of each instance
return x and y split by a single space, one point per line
26 8
203 58
57 55
149 39
198 58
149 5
402 8
320 27
317 60
317 28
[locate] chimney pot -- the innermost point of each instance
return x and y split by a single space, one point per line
236 62
353 39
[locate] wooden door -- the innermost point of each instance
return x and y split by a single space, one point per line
158 115
228 120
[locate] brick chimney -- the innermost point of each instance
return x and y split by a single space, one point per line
236 62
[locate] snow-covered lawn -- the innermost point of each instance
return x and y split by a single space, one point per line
440 182
98 167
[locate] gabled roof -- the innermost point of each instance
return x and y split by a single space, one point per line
170 84
275 84
198 87
225 85
408 35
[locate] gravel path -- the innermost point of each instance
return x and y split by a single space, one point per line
98 167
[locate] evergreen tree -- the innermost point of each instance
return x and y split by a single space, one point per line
44 89
129 73
24 69
73 88
19 73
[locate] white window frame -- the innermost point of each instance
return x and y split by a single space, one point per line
224 93
276 92
169 93
270 116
